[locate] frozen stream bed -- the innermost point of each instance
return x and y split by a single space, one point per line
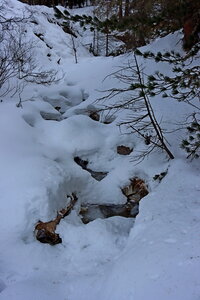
155 256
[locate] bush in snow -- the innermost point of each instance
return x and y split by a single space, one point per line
17 63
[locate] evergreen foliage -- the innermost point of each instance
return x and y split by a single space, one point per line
140 21
191 144
93 23
184 85
70 3
141 119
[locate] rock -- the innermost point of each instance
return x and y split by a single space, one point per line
45 231
136 190
123 150
51 116
82 163
160 176
98 175
57 100
91 212
94 116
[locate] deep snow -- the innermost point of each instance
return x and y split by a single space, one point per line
157 256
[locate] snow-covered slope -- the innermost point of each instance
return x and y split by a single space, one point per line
157 256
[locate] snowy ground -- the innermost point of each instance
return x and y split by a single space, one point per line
157 256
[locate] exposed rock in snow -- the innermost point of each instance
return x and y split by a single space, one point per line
92 212
123 150
45 231
98 175
94 116
51 116
136 190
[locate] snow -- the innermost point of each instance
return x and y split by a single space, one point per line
162 249
153 257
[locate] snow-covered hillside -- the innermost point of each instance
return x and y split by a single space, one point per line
155 256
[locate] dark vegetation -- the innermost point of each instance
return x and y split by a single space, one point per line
137 22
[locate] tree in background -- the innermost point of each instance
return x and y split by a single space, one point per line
140 21
65 3
137 22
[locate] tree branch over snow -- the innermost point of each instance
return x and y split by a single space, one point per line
142 119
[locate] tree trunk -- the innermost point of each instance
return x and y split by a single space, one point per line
127 7
120 11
